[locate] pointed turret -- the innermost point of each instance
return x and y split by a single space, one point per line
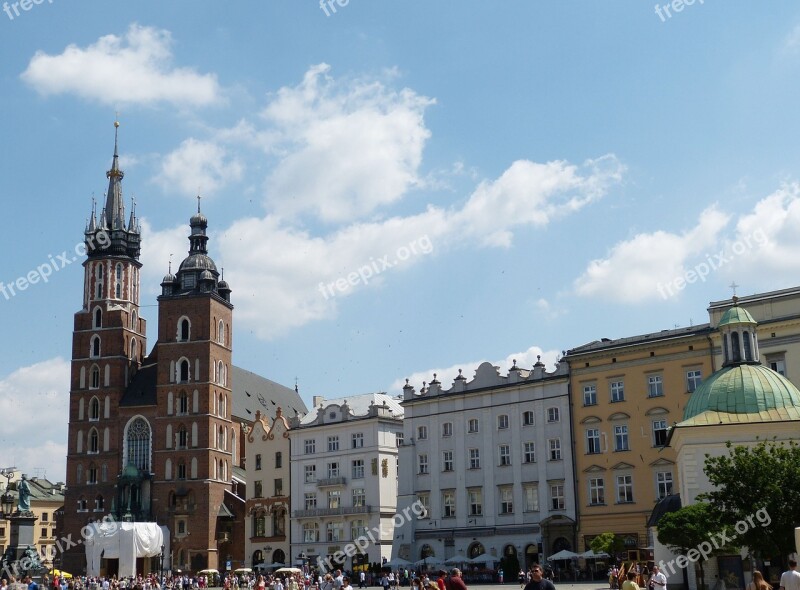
115 207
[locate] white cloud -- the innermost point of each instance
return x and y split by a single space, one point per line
635 268
349 147
530 193
791 42
37 394
765 249
525 359
133 69
202 167
156 249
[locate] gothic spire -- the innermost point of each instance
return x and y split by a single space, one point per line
115 207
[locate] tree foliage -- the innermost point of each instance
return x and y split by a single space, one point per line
607 543
764 478
689 528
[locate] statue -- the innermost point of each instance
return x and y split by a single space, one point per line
24 491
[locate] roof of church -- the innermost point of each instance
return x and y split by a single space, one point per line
251 392
736 315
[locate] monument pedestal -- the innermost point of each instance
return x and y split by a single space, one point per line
21 558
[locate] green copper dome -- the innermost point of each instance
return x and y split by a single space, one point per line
736 315
743 389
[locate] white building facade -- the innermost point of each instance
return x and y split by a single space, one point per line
491 459
344 481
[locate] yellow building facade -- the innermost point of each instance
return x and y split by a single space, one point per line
46 498
625 393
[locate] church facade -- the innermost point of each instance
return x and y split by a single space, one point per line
157 437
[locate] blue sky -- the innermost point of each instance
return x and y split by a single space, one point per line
547 172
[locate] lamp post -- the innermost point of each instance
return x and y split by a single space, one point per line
161 567
7 499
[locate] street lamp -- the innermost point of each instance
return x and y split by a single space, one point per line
161 567
7 500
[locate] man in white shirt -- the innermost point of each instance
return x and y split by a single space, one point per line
658 579
790 579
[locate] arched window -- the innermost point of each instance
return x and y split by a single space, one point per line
95 349
748 349
98 318
138 441
79 442
95 380
99 504
119 271
168 473
183 437
134 321
737 351
221 439
184 371
118 291
99 282
221 332
94 441
219 372
183 330
79 474
183 403
94 409
258 556
259 525
279 523
134 350
118 286
221 406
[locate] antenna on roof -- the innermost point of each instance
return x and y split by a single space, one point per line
296 388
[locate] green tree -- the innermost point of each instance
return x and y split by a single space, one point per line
607 543
689 531
760 487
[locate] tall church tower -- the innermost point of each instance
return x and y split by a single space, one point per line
196 439
108 343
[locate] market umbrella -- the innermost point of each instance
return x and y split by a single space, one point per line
483 558
243 570
590 554
288 570
61 574
397 562
428 561
455 560
563 554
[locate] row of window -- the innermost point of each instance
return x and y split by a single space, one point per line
278 524
506 503
655 388
180 404
504 456
99 504
334 470
334 531
624 488
181 372
258 488
99 282
473 424
184 331
356 442
278 461
334 499
595 439
97 319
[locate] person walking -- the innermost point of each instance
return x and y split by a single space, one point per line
790 579
456 582
658 581
758 582
538 581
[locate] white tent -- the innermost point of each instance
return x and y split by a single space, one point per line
125 541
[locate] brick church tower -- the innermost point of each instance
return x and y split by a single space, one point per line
108 343
152 438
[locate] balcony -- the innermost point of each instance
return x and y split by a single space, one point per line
317 512
331 481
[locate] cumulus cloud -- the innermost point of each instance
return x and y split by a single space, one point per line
132 69
636 268
524 359
348 147
198 166
39 391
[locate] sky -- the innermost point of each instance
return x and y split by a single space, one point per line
395 189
